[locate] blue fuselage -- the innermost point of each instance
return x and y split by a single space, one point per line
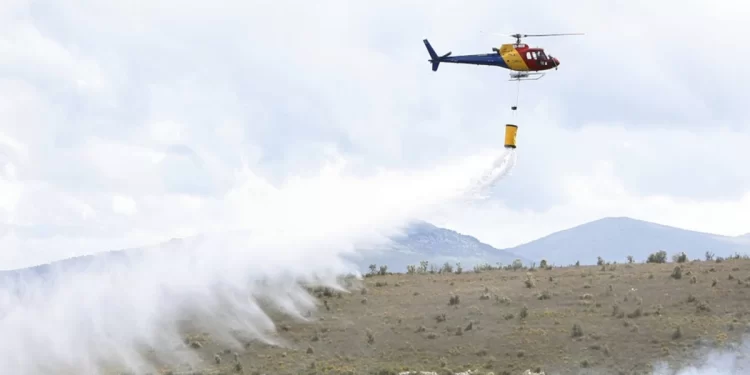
489 59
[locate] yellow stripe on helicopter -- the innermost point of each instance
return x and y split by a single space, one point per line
512 58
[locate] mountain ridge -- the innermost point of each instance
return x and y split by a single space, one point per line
615 238
419 241
423 241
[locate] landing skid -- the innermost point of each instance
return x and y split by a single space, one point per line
525 76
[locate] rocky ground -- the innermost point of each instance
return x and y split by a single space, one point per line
616 318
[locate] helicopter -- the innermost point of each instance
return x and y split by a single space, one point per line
523 61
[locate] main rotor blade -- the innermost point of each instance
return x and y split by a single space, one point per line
519 36
559 34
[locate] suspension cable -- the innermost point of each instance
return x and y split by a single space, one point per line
518 91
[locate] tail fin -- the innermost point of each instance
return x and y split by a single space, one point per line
434 58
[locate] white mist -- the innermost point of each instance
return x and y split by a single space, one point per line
272 239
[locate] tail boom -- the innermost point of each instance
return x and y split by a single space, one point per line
489 59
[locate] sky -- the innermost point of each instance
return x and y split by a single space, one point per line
127 123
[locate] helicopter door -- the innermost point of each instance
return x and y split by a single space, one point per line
532 59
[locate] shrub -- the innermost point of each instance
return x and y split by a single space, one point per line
577 331
677 334
517 264
677 273
530 282
383 270
657 257
524 312
481 267
680 257
544 295
447 268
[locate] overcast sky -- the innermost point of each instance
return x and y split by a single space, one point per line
123 123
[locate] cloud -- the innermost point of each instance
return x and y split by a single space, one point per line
321 127
165 102
124 205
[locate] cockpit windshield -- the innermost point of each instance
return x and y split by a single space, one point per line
542 56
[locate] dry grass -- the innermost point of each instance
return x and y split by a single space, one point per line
619 318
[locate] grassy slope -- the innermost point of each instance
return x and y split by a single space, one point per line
628 316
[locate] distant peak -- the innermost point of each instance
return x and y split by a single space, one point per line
624 220
421 224
620 218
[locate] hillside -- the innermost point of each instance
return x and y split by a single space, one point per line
615 319
619 319
426 242
617 237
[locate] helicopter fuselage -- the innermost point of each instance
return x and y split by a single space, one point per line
515 57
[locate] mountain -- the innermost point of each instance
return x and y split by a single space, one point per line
611 238
420 241
423 241
615 238
81 264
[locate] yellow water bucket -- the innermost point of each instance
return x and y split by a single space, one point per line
510 135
